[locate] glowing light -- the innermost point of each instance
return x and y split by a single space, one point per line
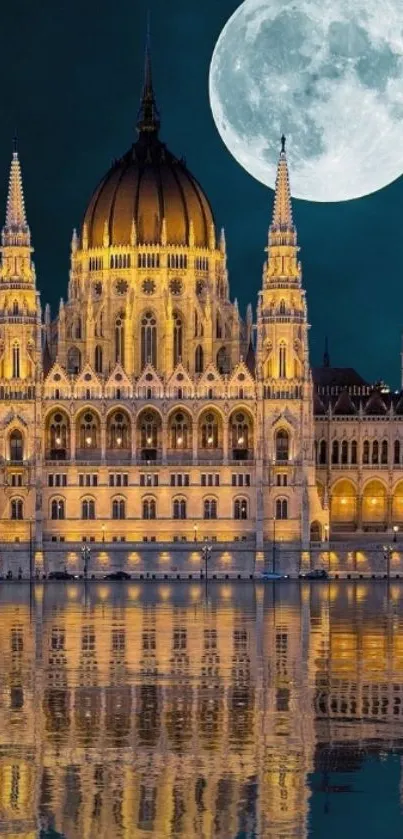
344 501
118 441
180 441
373 501
149 440
164 592
240 441
134 557
210 441
58 441
88 440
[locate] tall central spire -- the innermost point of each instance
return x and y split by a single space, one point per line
148 119
282 230
16 230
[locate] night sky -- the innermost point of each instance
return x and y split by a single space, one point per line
71 82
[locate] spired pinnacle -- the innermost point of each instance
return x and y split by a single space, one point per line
16 230
148 119
282 212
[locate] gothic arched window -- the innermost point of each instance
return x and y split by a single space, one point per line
88 509
149 508
239 432
210 508
344 452
209 432
335 451
17 508
16 445
281 508
282 361
179 508
223 364
118 508
118 431
396 452
148 340
180 431
282 445
178 339
322 452
73 360
241 508
98 359
16 361
384 452
199 359
365 452
57 509
120 340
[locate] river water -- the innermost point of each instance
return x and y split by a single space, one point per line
172 710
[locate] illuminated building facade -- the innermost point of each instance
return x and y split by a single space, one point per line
148 409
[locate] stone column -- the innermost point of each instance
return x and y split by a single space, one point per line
225 441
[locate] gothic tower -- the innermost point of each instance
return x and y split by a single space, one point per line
291 509
20 365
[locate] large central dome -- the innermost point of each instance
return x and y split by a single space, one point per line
148 184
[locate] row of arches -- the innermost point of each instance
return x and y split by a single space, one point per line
149 351
375 504
344 452
148 505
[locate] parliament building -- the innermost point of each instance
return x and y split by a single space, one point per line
150 410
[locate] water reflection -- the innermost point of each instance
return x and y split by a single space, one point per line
252 713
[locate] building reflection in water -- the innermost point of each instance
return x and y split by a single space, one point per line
165 713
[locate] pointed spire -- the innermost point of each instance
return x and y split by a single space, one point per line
133 234
16 230
148 119
191 234
326 356
212 239
164 235
74 241
223 246
282 211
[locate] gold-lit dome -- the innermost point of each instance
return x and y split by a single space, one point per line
148 184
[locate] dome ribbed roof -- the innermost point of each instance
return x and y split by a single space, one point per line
147 185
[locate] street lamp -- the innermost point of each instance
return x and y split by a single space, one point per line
395 532
387 552
195 532
103 533
327 546
206 551
86 554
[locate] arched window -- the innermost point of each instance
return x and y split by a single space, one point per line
149 430
344 452
354 452
88 431
17 509
335 451
179 508
223 364
88 509
365 452
209 432
282 445
77 331
282 307
281 508
57 510
384 452
218 326
149 508
57 440
322 452
118 508
396 452
16 361
241 508
118 431
180 431
120 340
73 360
239 432
15 307
16 445
98 359
210 508
282 361
178 339
199 359
375 452
148 340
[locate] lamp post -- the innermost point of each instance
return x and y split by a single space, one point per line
395 532
195 532
103 533
327 546
206 552
387 551
274 546
86 554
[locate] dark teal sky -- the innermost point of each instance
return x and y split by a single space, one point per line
71 78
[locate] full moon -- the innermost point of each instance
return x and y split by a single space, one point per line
326 73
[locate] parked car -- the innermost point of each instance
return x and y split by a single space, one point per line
117 575
315 574
271 575
60 575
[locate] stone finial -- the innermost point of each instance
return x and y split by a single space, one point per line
85 236
212 238
164 237
74 241
133 234
191 234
